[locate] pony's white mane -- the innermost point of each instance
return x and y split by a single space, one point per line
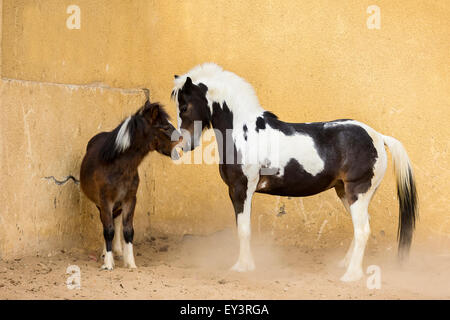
222 86
123 140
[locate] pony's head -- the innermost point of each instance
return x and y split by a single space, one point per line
194 115
147 130
157 131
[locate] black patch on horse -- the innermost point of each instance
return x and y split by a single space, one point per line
260 124
273 121
332 142
230 168
245 131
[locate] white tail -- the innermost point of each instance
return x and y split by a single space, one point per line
407 194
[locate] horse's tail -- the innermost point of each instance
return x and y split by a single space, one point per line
407 195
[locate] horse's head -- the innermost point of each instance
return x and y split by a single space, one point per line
194 114
161 134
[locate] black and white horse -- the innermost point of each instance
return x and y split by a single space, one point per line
260 153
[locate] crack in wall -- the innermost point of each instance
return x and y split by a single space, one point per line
61 182
94 85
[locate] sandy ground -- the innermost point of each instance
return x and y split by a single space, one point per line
198 268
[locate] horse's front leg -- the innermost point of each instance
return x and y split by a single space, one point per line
241 195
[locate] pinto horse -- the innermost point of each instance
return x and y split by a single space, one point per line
109 174
260 153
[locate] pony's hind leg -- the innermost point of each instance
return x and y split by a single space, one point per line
128 233
117 242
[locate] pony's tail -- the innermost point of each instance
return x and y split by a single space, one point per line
407 195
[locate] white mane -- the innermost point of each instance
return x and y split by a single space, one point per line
222 86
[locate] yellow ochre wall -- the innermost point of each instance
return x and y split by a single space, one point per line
308 61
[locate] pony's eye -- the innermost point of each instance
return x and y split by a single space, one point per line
183 108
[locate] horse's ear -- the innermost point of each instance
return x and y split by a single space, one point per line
176 76
187 87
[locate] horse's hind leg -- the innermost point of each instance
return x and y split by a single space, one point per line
128 232
360 218
340 191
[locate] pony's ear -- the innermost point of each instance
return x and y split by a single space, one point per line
150 111
146 93
154 112
203 87
175 76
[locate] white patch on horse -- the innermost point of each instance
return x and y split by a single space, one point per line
273 147
123 136
304 152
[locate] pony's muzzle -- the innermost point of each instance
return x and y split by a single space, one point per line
177 149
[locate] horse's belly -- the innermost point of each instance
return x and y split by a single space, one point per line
282 186
295 181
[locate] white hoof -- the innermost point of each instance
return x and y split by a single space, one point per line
109 261
352 276
245 266
130 265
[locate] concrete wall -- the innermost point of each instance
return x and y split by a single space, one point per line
308 61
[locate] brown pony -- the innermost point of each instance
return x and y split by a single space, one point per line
109 173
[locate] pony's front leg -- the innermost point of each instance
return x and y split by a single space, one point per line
108 234
128 233
241 195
